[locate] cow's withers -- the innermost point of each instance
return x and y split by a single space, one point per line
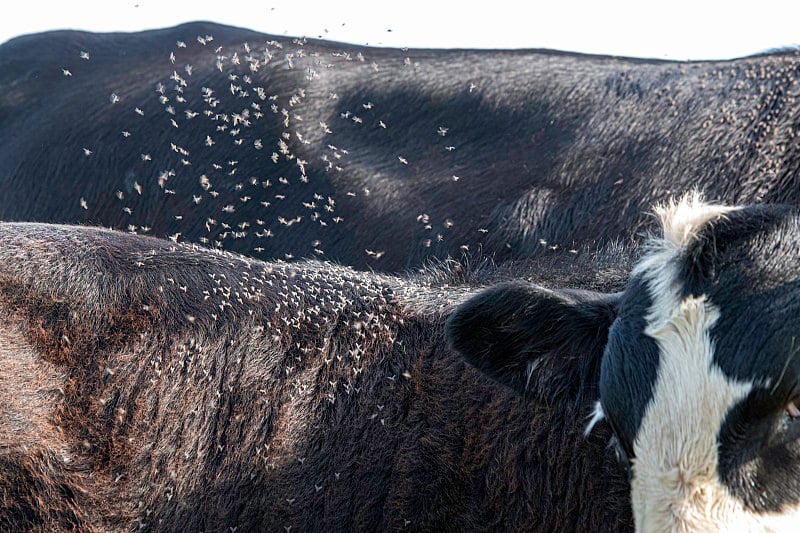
693 364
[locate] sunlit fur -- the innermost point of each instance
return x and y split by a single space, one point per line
681 219
676 484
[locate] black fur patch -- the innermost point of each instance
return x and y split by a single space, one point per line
759 453
630 366
561 334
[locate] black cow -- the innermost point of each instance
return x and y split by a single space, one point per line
695 360
279 147
151 385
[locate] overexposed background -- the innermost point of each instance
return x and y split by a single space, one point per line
672 29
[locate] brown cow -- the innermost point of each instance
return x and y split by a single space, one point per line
151 385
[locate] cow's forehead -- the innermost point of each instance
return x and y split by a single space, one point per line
757 336
751 276
744 262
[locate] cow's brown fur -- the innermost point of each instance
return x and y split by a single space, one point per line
145 384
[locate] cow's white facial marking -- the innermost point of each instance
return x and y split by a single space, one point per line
676 484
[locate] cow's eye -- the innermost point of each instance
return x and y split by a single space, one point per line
783 424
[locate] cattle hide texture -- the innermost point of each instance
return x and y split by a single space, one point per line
280 147
151 385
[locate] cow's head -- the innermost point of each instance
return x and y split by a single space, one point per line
695 365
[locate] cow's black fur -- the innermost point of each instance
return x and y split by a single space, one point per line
505 152
520 323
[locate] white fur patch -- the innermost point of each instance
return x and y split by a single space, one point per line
680 222
676 483
597 415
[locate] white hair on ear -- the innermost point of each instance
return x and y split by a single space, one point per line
596 416
529 371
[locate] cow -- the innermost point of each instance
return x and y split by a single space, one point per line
147 384
379 158
164 386
694 362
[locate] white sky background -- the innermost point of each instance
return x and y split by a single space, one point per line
666 29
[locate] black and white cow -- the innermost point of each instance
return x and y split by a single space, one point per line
698 377
373 157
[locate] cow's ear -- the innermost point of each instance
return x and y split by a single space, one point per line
539 342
